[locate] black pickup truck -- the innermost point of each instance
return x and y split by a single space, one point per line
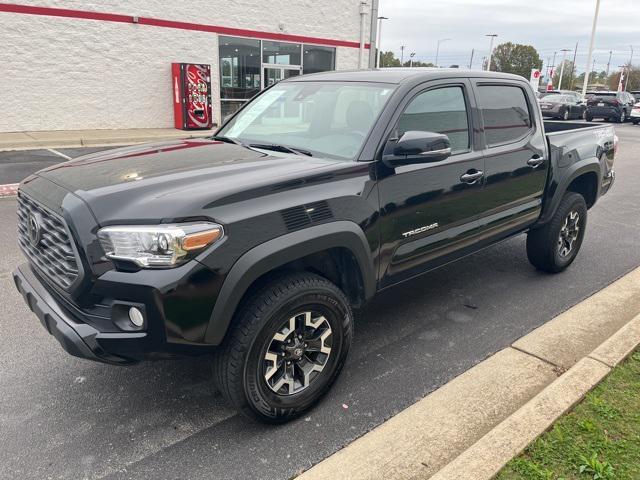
255 245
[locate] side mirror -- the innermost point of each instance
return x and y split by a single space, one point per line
419 147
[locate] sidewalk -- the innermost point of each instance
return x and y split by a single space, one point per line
91 138
472 426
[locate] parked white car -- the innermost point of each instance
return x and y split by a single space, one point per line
635 114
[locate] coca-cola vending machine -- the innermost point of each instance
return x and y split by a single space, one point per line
192 96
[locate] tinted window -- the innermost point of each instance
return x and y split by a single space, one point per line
318 59
443 111
505 112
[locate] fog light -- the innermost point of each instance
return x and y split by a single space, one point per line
136 317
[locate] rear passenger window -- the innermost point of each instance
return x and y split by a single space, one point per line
442 110
505 112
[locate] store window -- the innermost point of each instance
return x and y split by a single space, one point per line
248 65
318 59
281 53
239 72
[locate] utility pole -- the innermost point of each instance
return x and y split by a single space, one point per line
402 47
591 42
548 67
379 57
492 36
374 36
471 59
609 62
623 76
438 48
573 67
626 82
564 56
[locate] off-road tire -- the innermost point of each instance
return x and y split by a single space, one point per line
239 365
543 248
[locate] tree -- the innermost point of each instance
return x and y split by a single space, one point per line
568 77
417 63
388 59
632 84
515 58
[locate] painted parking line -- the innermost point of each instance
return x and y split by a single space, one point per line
55 152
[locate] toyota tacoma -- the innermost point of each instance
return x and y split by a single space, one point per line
255 246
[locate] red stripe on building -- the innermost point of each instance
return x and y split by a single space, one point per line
157 22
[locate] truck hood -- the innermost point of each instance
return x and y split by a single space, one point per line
177 178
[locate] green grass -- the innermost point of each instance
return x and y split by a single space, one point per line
598 439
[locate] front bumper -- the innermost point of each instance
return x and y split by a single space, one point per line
76 337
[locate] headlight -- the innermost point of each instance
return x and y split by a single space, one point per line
158 245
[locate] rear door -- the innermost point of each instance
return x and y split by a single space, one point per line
516 162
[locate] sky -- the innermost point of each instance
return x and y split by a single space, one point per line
548 25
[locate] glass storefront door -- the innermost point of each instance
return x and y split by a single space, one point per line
275 73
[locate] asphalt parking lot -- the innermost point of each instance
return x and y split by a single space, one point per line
62 417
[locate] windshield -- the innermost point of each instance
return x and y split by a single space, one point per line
329 119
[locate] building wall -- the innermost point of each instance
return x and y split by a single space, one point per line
69 73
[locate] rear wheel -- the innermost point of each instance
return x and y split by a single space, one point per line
588 117
565 115
286 347
622 117
554 246
636 121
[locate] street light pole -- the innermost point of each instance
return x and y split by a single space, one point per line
402 47
438 48
411 55
609 62
564 56
379 57
492 35
591 42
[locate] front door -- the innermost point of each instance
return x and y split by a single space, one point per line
430 210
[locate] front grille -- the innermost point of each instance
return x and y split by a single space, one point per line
52 250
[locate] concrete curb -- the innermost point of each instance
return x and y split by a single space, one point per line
91 138
472 426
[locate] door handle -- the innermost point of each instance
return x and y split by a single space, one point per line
535 161
471 178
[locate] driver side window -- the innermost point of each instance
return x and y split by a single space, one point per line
442 110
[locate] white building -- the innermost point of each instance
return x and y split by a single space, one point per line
76 64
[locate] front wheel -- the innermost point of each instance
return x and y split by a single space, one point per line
588 117
554 246
622 117
287 345
636 121
565 115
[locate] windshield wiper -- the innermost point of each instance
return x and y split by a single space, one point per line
222 138
280 148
